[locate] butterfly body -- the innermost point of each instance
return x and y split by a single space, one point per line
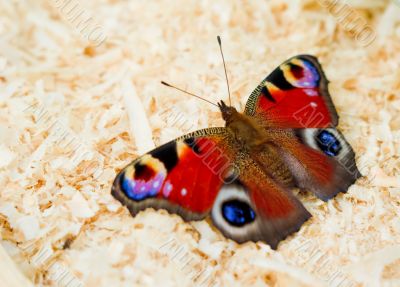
242 174
260 142
245 130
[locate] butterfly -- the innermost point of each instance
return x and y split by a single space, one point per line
242 175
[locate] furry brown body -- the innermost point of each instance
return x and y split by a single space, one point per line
259 142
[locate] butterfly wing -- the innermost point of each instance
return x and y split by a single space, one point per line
295 99
205 172
182 176
294 95
256 207
322 161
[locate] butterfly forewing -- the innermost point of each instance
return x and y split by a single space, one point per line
294 95
182 176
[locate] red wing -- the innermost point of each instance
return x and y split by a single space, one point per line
182 176
257 208
190 176
294 98
294 95
321 160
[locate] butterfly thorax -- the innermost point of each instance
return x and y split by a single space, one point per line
259 143
244 129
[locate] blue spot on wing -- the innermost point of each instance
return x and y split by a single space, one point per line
313 70
307 76
238 213
139 190
328 143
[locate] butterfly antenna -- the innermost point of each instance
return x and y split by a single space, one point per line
186 92
226 75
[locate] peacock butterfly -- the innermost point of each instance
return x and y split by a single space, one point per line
242 174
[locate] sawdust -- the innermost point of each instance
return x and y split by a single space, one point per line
76 108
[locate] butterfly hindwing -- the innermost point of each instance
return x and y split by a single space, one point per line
182 176
322 161
256 207
294 95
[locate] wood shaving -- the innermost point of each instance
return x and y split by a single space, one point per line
75 111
